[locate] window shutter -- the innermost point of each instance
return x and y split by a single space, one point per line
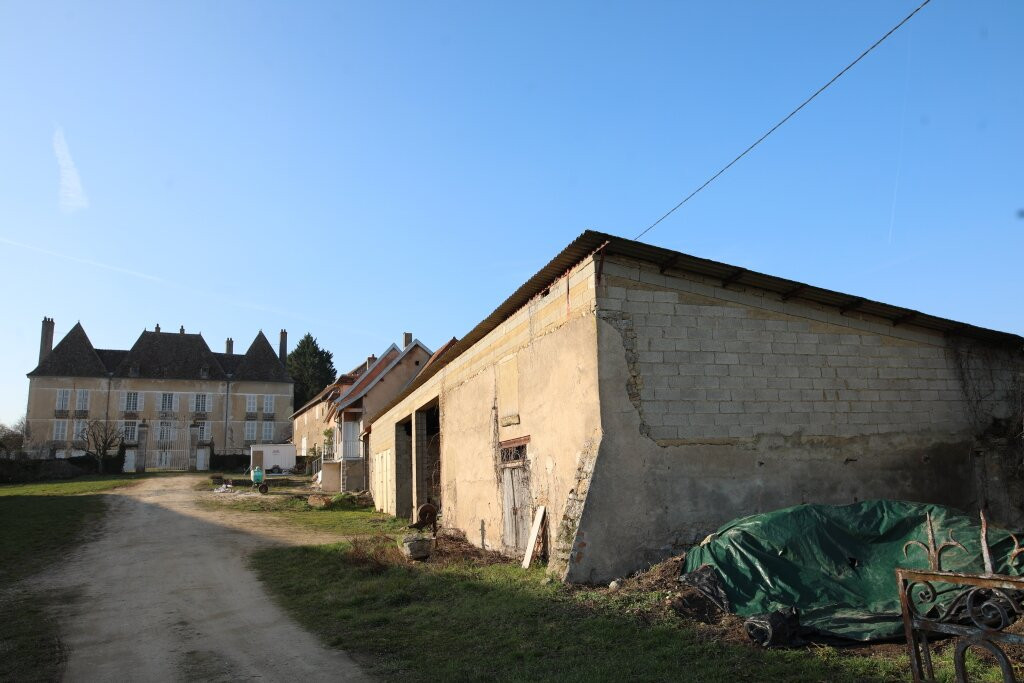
174 402
209 403
142 400
124 400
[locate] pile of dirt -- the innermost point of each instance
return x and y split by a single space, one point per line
450 547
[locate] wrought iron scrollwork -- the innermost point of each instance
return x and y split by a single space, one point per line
982 605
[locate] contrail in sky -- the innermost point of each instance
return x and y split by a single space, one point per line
72 195
88 262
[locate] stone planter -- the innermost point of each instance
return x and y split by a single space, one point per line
417 547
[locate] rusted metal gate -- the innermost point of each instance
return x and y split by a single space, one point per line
984 605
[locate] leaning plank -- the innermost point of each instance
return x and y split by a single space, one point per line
538 519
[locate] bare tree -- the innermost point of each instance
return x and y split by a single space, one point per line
100 437
12 438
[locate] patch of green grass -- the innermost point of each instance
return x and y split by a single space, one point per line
70 487
41 520
459 621
344 519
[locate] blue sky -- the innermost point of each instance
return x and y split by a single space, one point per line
356 170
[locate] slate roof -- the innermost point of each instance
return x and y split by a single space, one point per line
166 355
261 363
73 356
161 355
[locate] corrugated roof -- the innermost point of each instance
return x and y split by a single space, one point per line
667 259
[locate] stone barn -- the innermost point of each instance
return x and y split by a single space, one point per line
644 397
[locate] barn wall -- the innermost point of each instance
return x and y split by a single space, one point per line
718 402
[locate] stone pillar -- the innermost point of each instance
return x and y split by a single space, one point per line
420 459
143 444
193 445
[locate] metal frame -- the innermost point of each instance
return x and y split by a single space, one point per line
990 601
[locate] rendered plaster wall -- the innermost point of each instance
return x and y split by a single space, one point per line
534 375
719 402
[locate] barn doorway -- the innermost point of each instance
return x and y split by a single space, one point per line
517 503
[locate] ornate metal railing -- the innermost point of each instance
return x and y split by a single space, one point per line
983 605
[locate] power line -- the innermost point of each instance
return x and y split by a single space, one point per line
787 118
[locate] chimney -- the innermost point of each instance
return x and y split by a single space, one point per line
182 330
407 339
369 361
229 346
157 328
46 339
282 350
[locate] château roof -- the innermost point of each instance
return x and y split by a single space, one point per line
161 355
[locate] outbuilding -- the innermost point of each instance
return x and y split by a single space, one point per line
644 397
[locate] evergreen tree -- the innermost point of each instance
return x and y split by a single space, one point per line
311 367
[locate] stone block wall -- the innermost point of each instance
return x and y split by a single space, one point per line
718 402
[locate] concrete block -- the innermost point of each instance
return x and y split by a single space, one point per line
666 394
705 406
726 359
666 297
741 371
635 307
639 295
727 419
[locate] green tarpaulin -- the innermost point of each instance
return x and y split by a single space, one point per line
835 564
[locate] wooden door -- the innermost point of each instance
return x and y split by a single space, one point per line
257 459
516 508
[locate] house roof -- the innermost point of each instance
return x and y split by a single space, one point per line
261 363
160 355
165 355
591 242
378 371
73 356
445 348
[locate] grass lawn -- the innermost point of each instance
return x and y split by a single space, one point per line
466 620
343 518
41 520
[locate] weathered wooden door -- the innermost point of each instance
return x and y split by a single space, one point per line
516 508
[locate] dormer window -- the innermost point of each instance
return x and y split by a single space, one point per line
133 370
204 372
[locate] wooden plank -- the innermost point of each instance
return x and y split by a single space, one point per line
538 520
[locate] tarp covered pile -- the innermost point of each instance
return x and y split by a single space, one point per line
829 570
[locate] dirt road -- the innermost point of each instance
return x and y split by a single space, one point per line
162 593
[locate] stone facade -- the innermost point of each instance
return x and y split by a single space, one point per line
217 403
